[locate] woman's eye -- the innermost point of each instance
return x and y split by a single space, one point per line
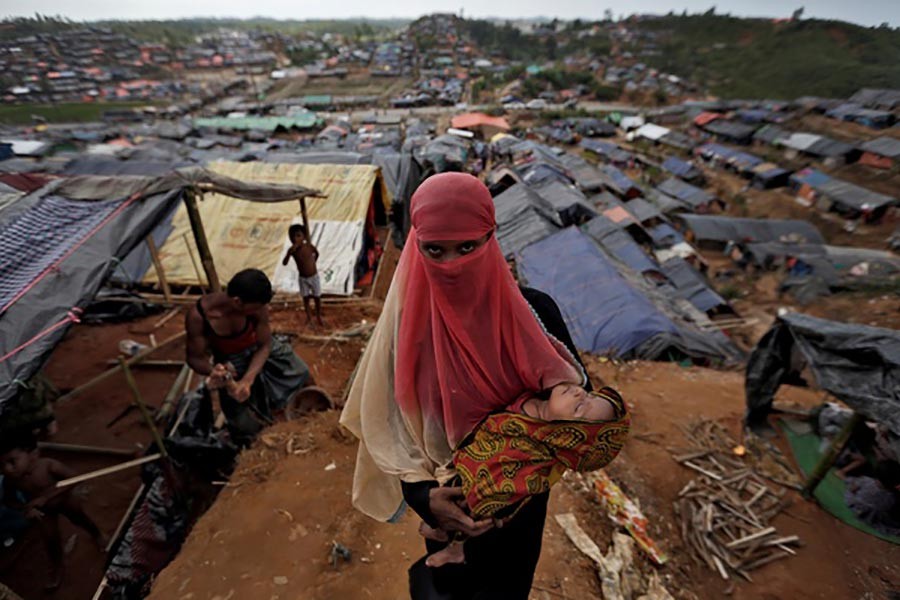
434 251
466 248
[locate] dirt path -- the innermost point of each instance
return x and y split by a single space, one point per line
270 532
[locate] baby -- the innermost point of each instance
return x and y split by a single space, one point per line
27 472
536 439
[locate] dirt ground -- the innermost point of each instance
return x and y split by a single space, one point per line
271 532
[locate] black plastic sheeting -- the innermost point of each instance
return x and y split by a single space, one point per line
726 229
857 364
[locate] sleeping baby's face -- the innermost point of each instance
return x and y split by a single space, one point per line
570 402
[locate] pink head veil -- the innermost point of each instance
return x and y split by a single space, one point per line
468 343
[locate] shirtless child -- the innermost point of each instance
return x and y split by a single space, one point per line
551 448
27 472
305 256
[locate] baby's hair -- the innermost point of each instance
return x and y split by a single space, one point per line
24 441
544 394
294 230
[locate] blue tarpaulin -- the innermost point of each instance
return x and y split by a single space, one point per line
680 168
604 313
664 235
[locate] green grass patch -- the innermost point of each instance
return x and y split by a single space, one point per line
64 112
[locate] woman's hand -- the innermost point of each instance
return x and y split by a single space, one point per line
239 390
445 504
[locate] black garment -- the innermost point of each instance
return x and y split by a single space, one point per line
500 564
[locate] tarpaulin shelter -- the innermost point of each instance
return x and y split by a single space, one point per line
608 152
678 140
651 132
523 217
770 134
852 200
690 196
768 175
586 176
445 153
61 242
571 205
244 233
881 153
741 162
729 131
691 285
887 99
643 210
618 182
621 246
857 364
681 168
704 118
603 310
714 230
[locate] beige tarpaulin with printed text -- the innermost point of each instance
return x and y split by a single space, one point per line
246 234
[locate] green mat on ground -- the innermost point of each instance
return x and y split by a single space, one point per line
830 493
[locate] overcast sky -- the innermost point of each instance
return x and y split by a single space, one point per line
866 12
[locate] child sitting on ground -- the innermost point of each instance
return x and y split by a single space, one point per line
525 450
305 256
25 471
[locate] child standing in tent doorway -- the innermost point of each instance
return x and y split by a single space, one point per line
305 256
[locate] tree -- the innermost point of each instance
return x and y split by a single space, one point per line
608 15
798 14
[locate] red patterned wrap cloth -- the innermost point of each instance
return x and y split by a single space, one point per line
511 456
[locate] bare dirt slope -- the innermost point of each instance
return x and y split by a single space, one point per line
270 533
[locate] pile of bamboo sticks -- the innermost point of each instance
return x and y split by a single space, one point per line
726 511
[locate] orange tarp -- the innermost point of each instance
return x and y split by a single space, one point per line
705 117
475 119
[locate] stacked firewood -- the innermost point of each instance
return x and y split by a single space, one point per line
726 511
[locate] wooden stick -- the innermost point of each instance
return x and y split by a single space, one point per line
837 446
157 266
151 363
206 259
100 589
190 252
61 447
167 318
750 538
139 400
137 358
700 469
108 470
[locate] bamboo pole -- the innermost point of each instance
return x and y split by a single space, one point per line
130 362
61 447
139 400
157 266
134 500
834 450
206 259
190 252
108 470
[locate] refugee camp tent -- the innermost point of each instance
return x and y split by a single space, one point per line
729 131
858 364
243 233
586 175
852 200
768 175
718 231
621 246
665 203
882 153
681 168
690 196
61 242
618 182
523 217
608 152
590 127
678 140
741 162
651 132
643 210
691 285
445 153
571 205
603 310
887 99
770 134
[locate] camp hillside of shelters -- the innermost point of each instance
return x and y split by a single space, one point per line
614 213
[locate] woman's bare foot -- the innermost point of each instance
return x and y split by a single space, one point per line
453 554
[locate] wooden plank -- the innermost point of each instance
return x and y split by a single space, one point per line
700 469
157 266
206 259
750 538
